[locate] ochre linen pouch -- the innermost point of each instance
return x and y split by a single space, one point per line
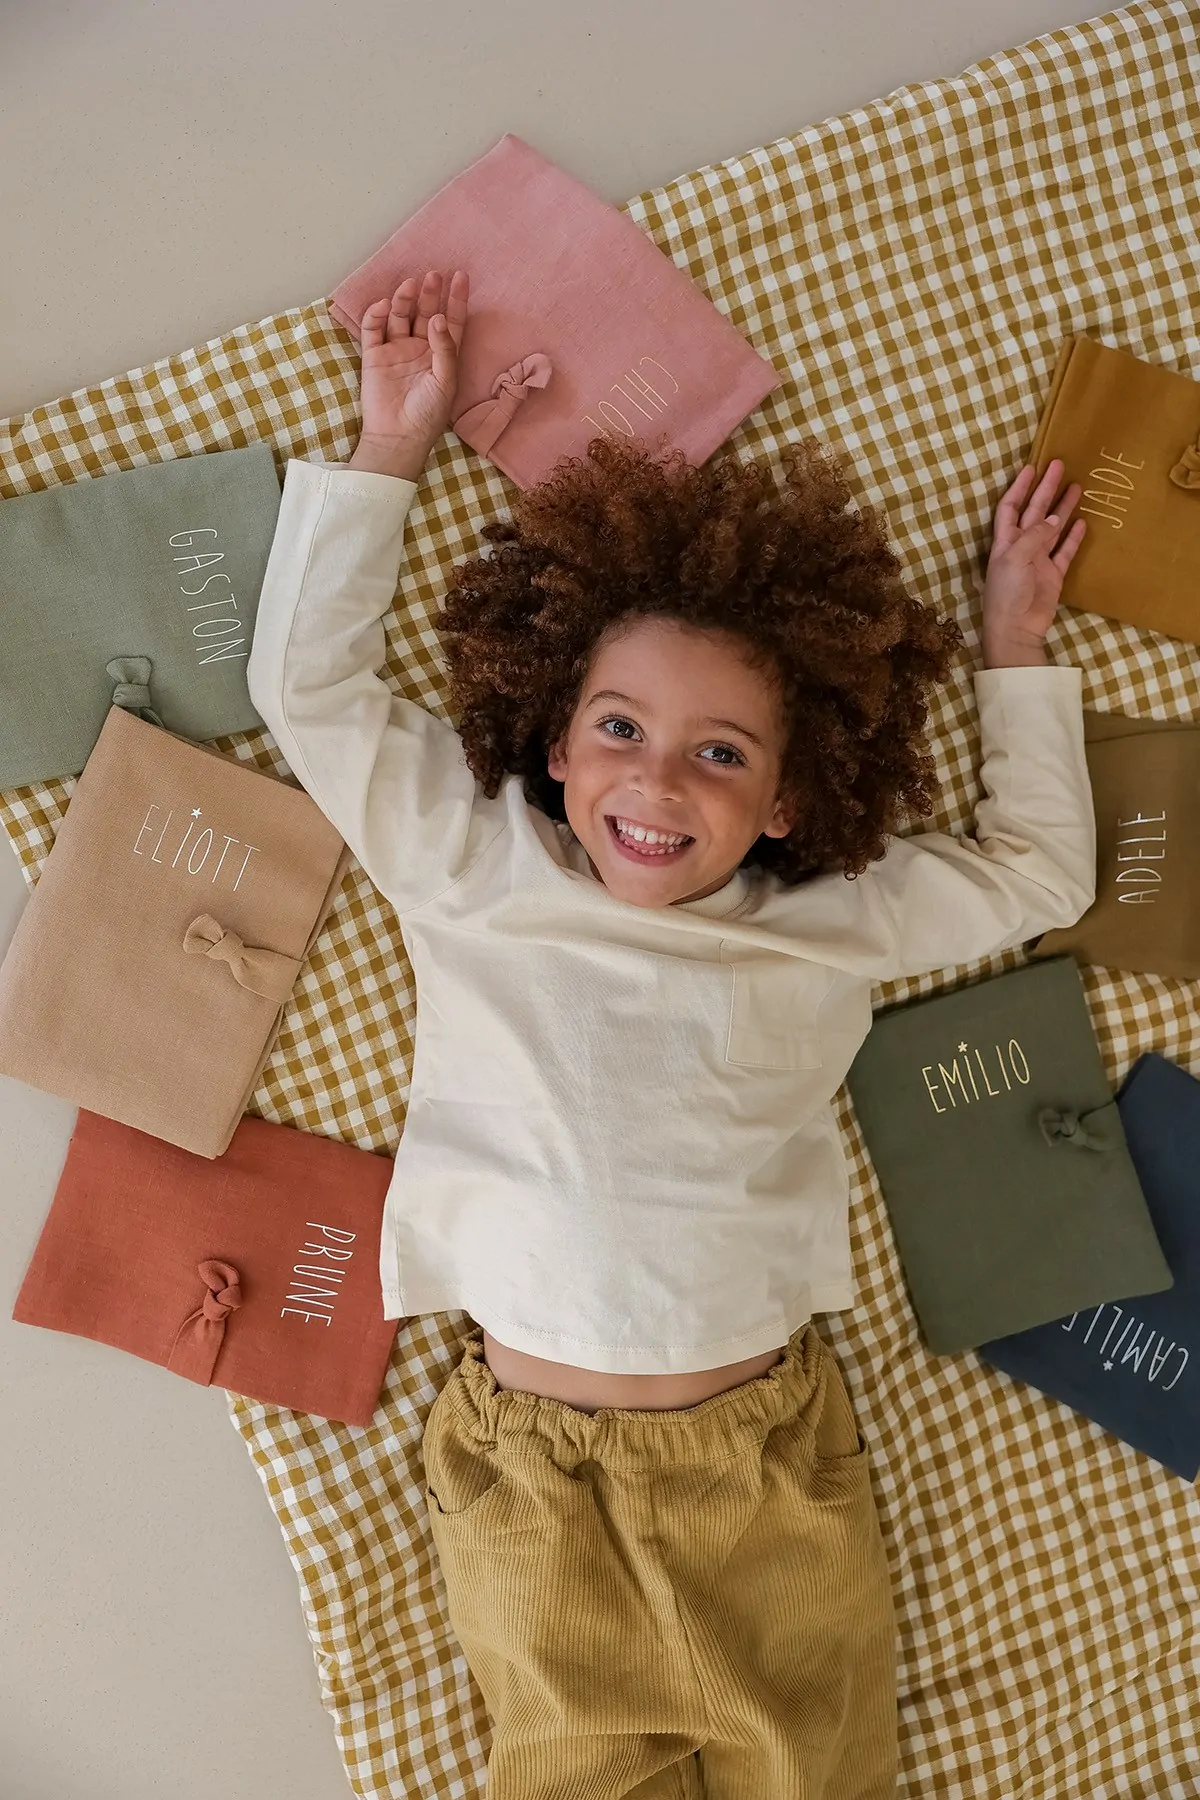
147 976
1129 433
1146 789
579 325
258 1271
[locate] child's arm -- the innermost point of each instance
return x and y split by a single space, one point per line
388 774
936 900
1032 863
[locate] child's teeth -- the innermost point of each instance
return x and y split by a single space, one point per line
656 842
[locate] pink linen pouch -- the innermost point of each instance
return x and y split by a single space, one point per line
579 325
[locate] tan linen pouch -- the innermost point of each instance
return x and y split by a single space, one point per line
147 977
1146 788
1127 430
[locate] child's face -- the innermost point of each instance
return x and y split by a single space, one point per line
675 734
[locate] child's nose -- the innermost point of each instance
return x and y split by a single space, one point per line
660 775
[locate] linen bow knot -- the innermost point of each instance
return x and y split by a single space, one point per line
1066 1127
1186 473
266 972
132 690
199 1339
481 425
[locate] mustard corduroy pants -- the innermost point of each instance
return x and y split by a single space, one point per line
670 1605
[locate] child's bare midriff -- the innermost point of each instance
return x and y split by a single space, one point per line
591 1390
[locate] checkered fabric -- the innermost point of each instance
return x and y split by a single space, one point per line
911 268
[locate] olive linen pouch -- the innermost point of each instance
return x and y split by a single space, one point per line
140 587
1003 1163
258 1271
147 976
1129 433
1145 777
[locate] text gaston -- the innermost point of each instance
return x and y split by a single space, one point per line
971 1075
217 630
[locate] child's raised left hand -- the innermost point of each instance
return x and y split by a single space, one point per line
1031 551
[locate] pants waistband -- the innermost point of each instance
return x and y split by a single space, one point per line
713 1431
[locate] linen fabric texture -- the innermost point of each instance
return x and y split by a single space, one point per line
256 1271
147 976
1145 776
693 1212
580 327
139 587
999 1147
1128 430
1009 1520
1134 1366
670 1604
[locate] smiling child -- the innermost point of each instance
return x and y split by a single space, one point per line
646 886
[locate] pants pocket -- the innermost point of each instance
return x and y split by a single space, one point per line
461 1472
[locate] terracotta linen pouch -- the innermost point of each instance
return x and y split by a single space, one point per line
147 976
139 588
579 325
1129 432
1145 778
258 1271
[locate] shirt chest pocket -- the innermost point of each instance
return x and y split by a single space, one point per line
773 1011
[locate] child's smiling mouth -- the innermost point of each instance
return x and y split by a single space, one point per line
646 843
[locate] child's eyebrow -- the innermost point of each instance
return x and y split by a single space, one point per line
732 725
708 724
612 694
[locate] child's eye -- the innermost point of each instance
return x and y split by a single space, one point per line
620 728
725 754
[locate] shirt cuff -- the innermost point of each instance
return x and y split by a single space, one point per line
314 471
1059 679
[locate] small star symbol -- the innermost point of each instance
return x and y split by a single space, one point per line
1108 1365
962 1046
195 812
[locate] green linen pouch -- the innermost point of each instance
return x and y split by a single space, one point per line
139 589
1002 1158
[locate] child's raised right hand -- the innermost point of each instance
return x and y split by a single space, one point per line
410 347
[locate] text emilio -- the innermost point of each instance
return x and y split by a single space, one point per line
976 1075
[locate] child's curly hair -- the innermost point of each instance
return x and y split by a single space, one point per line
813 590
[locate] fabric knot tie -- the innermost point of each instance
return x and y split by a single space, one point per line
266 972
131 692
481 425
199 1339
1186 473
220 1300
1067 1127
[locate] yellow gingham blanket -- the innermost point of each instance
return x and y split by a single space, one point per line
911 269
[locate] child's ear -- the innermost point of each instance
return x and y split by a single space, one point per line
556 762
782 820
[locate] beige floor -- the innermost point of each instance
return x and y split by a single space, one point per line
172 168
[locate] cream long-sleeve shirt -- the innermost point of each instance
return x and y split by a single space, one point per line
619 1151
